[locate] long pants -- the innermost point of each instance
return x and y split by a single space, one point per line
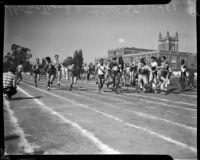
191 81
182 82
10 91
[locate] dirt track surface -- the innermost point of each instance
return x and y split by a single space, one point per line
82 121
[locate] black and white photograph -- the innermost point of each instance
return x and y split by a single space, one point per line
100 79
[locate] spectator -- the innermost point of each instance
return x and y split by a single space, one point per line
183 76
9 83
191 76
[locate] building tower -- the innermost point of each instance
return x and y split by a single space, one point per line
168 43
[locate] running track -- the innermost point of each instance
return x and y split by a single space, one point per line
82 121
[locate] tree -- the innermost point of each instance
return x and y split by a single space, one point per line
18 54
68 61
78 61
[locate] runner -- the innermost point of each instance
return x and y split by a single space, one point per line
50 70
121 72
100 70
72 75
36 68
114 74
132 71
108 72
58 67
164 78
143 71
85 72
19 71
153 77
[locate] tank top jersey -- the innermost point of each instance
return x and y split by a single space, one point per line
183 70
143 70
50 68
164 71
154 65
19 69
36 68
132 67
57 65
115 66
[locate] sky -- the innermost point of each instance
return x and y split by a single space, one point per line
50 30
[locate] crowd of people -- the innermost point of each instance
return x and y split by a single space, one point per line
150 78
147 78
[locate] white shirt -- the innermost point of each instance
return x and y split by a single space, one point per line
100 68
154 64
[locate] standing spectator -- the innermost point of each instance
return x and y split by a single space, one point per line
19 71
9 83
191 76
183 76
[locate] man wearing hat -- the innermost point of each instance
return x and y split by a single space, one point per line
9 83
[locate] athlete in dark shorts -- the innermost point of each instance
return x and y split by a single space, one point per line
36 68
50 70
72 75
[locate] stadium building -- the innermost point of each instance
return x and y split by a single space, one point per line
167 46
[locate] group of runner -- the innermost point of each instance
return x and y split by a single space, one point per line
153 78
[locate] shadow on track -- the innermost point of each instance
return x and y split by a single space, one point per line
21 98
11 137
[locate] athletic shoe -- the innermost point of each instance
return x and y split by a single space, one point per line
48 88
58 84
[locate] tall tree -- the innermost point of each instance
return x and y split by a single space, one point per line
18 54
68 61
78 61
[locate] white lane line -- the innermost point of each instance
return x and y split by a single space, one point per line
105 148
135 112
23 142
190 109
162 104
168 139
162 99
